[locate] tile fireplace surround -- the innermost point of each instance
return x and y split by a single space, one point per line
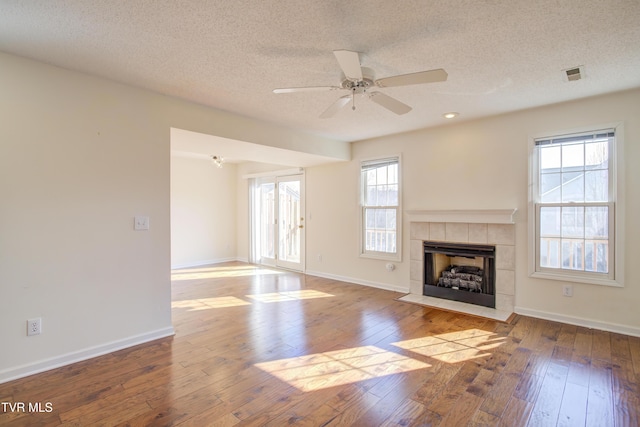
494 227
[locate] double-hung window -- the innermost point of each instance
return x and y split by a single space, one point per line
380 208
574 204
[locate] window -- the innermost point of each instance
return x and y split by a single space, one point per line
574 207
380 207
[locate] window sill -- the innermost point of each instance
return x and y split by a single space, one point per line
381 256
567 277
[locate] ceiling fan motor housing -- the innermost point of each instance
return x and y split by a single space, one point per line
359 86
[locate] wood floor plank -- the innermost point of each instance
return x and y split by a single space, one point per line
573 409
259 347
600 400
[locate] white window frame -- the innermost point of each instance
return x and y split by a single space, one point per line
390 256
615 277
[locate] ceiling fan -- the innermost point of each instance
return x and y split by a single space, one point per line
359 80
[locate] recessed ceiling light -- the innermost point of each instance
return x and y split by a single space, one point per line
450 115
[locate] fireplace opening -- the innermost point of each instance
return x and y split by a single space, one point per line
460 272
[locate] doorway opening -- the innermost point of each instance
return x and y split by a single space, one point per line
277 221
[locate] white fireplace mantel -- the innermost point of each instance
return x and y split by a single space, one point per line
482 216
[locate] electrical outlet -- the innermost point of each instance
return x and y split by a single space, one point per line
141 223
320 257
567 290
34 326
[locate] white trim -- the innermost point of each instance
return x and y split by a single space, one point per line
22 371
580 321
353 280
203 262
480 216
283 172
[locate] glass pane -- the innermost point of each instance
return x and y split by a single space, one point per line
381 218
573 187
549 252
267 222
572 254
550 187
391 220
566 254
549 158
596 222
289 212
391 242
370 218
371 177
544 253
577 255
392 196
550 222
602 261
381 175
381 191
596 155
554 253
572 156
393 174
589 255
371 198
596 186
573 222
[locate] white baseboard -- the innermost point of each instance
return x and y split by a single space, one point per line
579 321
203 262
357 281
80 355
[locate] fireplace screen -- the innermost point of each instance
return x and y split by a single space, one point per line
460 272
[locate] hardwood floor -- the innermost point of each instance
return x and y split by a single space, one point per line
256 346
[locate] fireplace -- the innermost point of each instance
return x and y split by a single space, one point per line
460 272
469 227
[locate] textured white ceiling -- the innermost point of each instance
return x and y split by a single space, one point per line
500 55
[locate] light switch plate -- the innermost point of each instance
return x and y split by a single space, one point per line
141 223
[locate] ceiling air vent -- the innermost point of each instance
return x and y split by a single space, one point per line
573 74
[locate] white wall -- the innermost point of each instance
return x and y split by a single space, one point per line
79 158
481 164
203 212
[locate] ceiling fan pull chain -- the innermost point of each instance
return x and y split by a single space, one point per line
353 98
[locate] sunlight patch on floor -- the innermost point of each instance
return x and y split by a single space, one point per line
209 303
220 272
289 295
454 347
333 368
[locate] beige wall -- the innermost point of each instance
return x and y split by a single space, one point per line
79 158
481 164
203 212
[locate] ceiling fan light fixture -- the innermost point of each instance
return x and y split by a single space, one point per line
450 115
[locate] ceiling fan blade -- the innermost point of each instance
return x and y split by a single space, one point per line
335 107
389 103
431 76
350 63
306 89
